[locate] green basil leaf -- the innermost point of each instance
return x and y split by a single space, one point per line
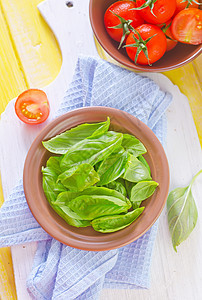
182 213
141 191
54 163
103 128
133 145
112 167
118 186
79 177
136 170
67 196
48 183
143 160
114 223
62 142
89 207
129 185
91 150
64 197
52 190
50 186
69 216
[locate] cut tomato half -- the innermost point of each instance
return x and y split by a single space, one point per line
187 26
32 106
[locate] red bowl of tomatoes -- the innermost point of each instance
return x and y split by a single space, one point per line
151 36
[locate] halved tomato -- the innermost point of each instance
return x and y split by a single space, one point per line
32 106
187 26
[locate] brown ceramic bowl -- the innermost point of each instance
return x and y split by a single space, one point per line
175 58
87 238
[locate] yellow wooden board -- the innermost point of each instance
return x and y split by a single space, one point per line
30 57
188 79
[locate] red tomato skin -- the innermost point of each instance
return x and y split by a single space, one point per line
182 5
170 43
187 26
35 97
163 10
123 9
156 46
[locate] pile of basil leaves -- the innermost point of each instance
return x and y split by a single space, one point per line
97 178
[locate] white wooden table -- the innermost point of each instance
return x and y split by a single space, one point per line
174 276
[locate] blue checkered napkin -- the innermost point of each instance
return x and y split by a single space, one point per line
59 271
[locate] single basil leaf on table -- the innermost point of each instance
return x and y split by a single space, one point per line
78 178
133 145
143 160
141 191
182 213
89 207
118 186
113 166
62 142
136 170
114 223
91 150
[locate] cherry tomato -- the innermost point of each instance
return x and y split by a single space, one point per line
146 45
187 26
118 17
185 4
156 11
32 106
171 42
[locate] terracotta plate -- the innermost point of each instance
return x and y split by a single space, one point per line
87 238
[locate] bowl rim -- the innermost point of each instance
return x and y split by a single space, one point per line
65 237
129 64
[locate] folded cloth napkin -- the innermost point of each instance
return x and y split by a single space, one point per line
59 271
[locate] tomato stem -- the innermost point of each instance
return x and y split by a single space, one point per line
125 25
148 3
164 28
141 45
190 2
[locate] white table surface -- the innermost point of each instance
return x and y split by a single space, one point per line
174 276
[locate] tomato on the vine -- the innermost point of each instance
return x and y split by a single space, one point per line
187 26
156 11
146 44
182 4
171 42
119 20
32 106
